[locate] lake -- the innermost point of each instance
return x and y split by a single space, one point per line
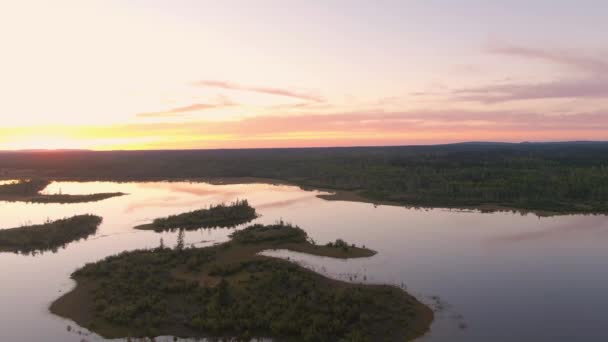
489 276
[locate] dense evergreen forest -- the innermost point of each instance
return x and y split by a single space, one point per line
229 290
558 177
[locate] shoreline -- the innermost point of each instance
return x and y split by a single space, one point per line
48 236
80 305
355 196
71 302
333 194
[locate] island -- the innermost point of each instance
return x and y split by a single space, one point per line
220 215
50 235
29 191
230 290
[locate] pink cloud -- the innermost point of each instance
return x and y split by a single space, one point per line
263 90
568 58
593 84
181 111
385 127
582 88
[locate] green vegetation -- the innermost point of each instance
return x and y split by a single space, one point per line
279 233
550 177
24 187
339 243
220 215
29 191
63 199
283 235
229 290
48 236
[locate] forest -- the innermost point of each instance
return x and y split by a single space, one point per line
229 290
23 188
570 177
220 215
48 236
28 190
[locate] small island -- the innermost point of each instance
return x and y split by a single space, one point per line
50 235
221 215
29 191
231 291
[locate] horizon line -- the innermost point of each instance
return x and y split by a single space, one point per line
42 150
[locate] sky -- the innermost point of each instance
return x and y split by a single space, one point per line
189 74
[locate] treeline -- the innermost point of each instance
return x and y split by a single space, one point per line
276 233
23 187
28 190
561 177
48 236
286 235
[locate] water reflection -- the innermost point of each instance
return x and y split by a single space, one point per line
490 277
171 201
287 202
593 225
197 189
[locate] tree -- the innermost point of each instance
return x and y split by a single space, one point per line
180 240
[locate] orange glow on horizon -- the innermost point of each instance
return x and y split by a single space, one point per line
200 136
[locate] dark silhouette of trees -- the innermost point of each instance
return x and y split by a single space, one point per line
180 240
29 191
559 177
220 215
50 235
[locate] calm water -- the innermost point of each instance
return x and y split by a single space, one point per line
490 277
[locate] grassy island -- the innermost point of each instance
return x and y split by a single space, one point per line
220 215
48 236
230 290
29 191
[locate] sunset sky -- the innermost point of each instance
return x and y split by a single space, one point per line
149 74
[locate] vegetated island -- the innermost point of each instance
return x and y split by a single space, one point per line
29 191
221 215
231 291
50 235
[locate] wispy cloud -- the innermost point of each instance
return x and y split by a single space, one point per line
568 58
262 90
380 124
393 128
581 88
591 82
184 110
